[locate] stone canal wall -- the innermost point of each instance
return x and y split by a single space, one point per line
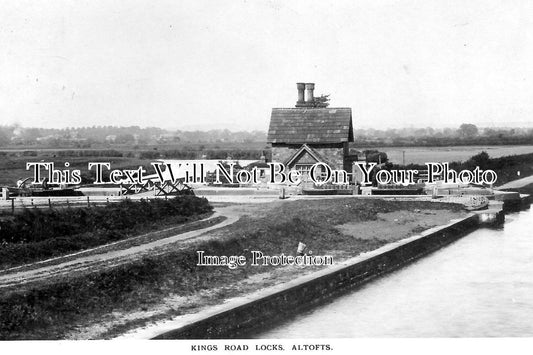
277 303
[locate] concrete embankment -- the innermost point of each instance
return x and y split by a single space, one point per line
239 318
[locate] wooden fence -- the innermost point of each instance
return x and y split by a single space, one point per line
18 204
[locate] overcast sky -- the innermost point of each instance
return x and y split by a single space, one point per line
225 64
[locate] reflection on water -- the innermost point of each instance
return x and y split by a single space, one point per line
480 286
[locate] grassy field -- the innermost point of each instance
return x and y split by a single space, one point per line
193 146
54 310
13 160
13 168
422 155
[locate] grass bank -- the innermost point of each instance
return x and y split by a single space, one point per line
38 234
528 189
51 311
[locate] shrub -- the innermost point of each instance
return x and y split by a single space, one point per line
35 225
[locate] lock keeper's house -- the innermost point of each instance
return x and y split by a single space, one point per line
304 135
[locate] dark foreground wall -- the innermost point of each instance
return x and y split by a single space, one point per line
243 319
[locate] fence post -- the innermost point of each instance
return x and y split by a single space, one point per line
68 205
13 206
88 205
49 204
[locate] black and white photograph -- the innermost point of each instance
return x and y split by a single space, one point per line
266 176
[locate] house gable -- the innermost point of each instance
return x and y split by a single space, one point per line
304 155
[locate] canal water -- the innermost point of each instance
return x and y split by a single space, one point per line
479 286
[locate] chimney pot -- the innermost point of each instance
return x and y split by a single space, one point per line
309 88
301 88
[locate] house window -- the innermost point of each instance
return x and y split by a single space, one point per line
304 171
303 168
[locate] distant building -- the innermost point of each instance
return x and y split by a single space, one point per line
168 137
304 135
262 167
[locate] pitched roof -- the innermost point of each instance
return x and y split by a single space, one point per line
310 125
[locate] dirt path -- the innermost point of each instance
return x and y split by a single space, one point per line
28 273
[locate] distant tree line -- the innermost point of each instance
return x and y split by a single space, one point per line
98 136
135 136
183 153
